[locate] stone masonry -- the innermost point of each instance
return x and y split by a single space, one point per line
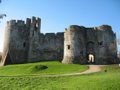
25 43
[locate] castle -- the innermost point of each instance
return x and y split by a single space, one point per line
25 43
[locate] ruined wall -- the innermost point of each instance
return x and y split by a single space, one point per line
74 45
107 49
91 43
43 47
81 42
24 43
47 47
34 36
16 42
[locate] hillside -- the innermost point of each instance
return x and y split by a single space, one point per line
40 68
28 77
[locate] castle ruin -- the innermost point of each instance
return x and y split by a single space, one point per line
25 43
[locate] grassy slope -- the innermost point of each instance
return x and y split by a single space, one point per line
109 80
29 69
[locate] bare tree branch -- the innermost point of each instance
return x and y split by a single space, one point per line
2 15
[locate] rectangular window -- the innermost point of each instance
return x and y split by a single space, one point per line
68 47
24 44
100 43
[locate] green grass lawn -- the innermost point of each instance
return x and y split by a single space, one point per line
54 67
109 80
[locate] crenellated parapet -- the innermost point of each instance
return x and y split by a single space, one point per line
34 23
16 23
52 35
17 39
25 43
104 27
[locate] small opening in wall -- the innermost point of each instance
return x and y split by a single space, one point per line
37 25
68 46
24 44
100 43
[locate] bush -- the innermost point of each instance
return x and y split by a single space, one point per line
40 67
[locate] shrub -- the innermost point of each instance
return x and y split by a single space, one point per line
40 67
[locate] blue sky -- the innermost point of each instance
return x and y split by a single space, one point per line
59 14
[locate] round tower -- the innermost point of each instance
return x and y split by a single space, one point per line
7 40
16 42
74 45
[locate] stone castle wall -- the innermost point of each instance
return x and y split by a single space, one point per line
47 47
81 42
16 42
74 45
25 43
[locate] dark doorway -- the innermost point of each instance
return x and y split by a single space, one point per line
90 50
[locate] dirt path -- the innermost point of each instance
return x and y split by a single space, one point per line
92 69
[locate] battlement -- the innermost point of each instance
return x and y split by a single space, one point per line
76 27
104 27
20 23
14 22
52 35
11 22
60 34
76 43
34 22
28 22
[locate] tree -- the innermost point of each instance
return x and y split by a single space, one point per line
2 15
